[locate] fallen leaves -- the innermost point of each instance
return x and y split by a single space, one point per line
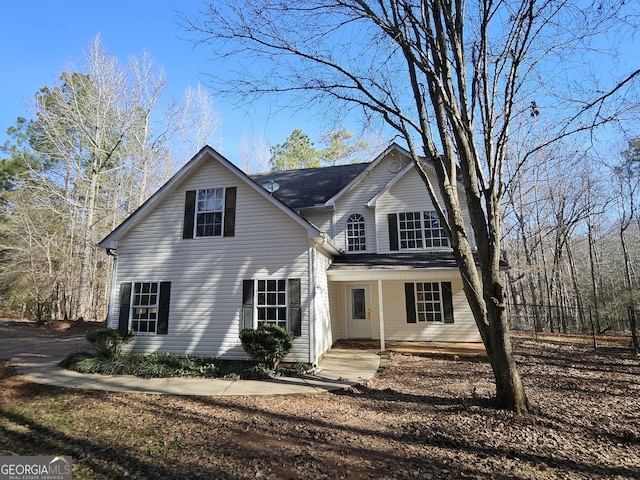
422 417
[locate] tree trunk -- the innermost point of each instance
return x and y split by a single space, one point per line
509 389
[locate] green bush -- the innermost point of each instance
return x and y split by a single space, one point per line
108 342
268 343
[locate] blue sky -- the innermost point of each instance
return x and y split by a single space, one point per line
40 38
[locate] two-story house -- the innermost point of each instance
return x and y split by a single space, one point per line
344 252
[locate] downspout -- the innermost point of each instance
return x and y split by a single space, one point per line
112 252
381 316
313 351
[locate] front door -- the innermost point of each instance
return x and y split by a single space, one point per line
359 313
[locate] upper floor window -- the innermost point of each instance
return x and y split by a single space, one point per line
356 233
210 212
434 235
416 230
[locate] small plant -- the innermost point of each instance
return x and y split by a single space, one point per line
256 372
268 343
107 341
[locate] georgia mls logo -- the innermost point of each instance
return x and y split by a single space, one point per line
36 468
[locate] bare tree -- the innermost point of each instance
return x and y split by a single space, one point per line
449 76
626 176
94 154
256 155
200 121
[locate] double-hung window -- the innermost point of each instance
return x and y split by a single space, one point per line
434 235
144 315
209 212
144 307
271 302
429 302
410 229
415 231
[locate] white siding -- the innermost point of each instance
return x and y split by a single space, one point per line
206 273
396 328
321 218
409 194
322 310
395 314
356 199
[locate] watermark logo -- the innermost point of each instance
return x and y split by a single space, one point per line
35 468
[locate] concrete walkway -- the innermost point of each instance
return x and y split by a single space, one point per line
339 368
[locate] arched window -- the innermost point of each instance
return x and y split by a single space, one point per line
356 233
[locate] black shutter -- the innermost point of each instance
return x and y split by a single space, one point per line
410 300
125 306
295 313
229 211
163 308
447 302
247 304
189 214
393 231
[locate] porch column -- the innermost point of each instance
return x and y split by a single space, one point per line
381 315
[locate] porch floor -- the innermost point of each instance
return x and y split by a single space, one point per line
461 349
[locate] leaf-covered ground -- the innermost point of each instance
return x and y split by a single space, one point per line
422 417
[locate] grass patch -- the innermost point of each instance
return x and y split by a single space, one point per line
158 365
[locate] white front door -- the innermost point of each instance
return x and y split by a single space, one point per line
359 312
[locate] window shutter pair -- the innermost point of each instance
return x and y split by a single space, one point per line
163 307
447 302
294 310
229 228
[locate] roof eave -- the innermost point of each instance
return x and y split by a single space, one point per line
110 241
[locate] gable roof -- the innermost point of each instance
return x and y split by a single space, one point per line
111 240
309 187
392 147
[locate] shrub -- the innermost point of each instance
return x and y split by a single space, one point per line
268 343
107 341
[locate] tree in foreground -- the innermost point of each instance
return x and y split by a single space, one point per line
450 77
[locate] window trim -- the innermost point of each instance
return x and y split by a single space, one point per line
426 232
358 222
222 212
133 306
445 292
277 306
293 293
190 224
125 316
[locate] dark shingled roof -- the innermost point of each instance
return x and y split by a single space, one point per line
307 187
394 261
399 261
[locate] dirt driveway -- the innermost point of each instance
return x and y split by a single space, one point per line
20 337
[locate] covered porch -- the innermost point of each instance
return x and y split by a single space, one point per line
383 298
